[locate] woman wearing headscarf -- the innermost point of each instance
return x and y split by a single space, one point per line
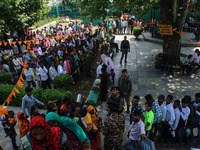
41 137
23 124
96 136
74 132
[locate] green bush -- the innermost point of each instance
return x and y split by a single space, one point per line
63 82
55 94
137 31
42 95
6 78
87 58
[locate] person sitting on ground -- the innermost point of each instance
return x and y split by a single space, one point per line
52 106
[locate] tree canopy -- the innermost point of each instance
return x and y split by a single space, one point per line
19 14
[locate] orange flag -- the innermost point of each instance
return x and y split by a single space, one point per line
32 40
3 111
16 90
20 84
0 44
5 43
20 42
14 43
197 43
8 101
25 42
13 93
21 78
10 43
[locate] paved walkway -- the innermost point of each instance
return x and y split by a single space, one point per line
145 78
185 42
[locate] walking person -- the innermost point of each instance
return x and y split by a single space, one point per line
125 88
125 48
44 77
28 101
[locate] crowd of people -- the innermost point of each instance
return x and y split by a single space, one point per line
73 126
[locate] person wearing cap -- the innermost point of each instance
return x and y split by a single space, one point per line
115 96
113 127
125 48
28 101
125 88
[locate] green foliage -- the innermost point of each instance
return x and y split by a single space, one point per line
87 58
45 21
63 82
55 94
19 14
6 78
110 32
137 31
42 95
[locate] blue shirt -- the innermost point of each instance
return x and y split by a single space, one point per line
25 57
28 102
156 110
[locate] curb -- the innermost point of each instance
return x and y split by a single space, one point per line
161 42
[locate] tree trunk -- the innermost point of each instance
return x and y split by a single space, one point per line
172 44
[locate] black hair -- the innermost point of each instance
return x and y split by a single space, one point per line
136 97
33 108
10 112
149 97
177 101
149 104
28 89
75 106
83 112
197 95
184 100
189 99
137 113
170 97
66 99
52 122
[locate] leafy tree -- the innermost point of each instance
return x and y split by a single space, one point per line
19 14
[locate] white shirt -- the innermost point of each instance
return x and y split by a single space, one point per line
170 116
186 61
52 72
99 70
28 74
185 113
61 70
195 105
17 63
163 109
195 58
136 130
43 73
177 118
39 50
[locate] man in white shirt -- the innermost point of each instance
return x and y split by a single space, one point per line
184 114
44 77
177 113
135 131
52 71
160 120
60 69
39 50
99 69
17 63
29 77
169 120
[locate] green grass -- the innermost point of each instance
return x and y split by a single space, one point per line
45 21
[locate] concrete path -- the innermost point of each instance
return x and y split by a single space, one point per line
145 79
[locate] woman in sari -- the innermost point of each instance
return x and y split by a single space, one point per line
23 124
41 137
74 132
96 136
